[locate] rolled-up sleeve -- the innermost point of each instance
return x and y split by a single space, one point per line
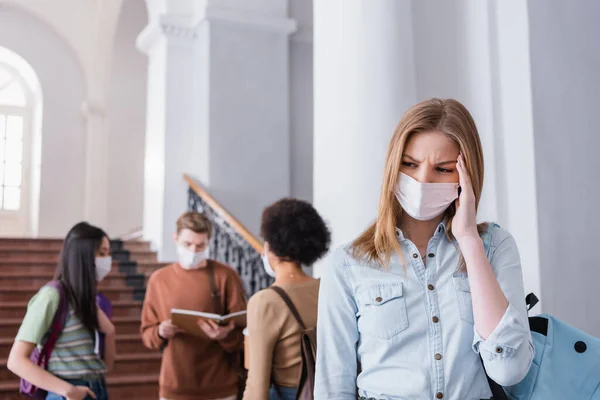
337 333
508 351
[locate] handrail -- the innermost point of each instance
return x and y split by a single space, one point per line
134 234
223 213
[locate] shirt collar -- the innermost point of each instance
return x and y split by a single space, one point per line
440 229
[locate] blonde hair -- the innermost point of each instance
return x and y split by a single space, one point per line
195 222
379 241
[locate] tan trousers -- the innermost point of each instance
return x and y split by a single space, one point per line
224 398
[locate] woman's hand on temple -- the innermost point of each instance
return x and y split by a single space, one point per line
464 223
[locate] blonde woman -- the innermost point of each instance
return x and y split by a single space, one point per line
408 308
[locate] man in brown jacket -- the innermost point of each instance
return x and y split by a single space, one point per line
194 367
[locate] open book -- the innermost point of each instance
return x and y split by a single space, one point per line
188 319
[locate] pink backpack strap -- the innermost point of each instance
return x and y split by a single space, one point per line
58 324
41 358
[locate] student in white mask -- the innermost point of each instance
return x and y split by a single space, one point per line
414 307
194 367
295 235
75 370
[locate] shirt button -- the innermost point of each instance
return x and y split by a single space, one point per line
415 255
435 320
430 287
440 395
431 255
438 357
580 347
378 299
499 350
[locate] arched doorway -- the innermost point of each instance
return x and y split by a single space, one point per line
20 143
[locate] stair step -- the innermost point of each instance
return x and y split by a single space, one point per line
126 344
131 344
138 387
56 244
121 308
126 364
26 293
114 273
123 325
52 256
115 279
49 267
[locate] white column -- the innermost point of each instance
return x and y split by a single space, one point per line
218 109
514 144
478 53
97 155
169 43
96 162
246 100
364 80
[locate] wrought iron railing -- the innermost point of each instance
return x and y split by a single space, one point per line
230 247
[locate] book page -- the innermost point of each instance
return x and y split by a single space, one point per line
188 320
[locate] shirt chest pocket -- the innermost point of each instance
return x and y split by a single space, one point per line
463 297
382 310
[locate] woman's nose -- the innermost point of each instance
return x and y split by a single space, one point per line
424 175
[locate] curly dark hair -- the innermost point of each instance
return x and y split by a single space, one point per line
295 231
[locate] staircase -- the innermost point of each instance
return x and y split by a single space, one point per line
27 264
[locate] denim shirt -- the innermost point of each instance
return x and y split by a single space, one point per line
413 331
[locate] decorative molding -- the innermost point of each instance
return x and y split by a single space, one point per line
148 38
284 26
167 26
186 27
174 31
176 26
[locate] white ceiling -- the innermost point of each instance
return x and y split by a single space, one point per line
89 26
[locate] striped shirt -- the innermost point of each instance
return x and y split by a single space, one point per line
74 356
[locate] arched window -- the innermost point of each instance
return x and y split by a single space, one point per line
20 145
15 109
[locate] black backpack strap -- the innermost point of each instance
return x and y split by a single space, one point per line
539 325
290 305
296 315
497 392
531 300
214 290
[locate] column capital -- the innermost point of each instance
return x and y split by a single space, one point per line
167 26
267 21
185 23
